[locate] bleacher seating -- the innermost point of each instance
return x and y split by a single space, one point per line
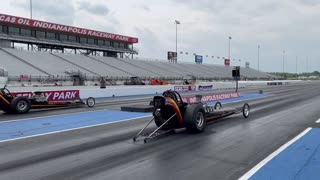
37 63
15 67
154 67
48 63
124 66
169 67
94 65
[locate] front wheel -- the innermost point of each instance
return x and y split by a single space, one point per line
91 102
246 110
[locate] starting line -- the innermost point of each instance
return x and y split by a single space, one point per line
297 159
32 127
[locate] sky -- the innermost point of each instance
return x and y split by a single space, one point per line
286 29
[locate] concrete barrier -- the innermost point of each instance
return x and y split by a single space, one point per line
123 91
117 91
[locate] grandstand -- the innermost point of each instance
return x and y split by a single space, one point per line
46 36
36 66
78 56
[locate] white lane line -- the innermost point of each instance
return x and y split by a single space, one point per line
271 156
318 121
55 132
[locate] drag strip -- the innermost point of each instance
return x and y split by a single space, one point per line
226 150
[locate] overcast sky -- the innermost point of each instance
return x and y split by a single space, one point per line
275 25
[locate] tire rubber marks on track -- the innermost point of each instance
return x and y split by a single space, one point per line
271 156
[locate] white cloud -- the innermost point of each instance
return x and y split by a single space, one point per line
54 11
96 9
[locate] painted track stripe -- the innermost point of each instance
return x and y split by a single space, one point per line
318 121
271 156
56 115
72 129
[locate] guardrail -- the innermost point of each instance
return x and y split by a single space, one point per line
116 91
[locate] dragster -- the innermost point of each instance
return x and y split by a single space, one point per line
20 103
170 113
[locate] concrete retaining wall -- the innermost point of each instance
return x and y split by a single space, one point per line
116 91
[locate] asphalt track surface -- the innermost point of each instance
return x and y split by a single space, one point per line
226 150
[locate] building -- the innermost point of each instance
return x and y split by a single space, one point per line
50 36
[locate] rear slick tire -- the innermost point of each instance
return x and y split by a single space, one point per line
20 105
195 119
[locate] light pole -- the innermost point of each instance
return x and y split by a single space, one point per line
30 9
258 57
229 47
283 61
297 66
307 64
177 22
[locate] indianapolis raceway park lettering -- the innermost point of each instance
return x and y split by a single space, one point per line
54 95
213 97
59 27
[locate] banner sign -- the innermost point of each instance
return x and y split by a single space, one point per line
212 97
62 28
198 59
66 95
227 62
185 88
236 72
247 64
205 88
173 56
24 76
